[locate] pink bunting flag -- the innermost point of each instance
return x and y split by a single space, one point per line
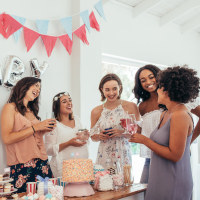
49 43
1 25
10 25
30 37
67 42
93 22
81 33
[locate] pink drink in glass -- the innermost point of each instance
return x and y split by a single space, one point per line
132 128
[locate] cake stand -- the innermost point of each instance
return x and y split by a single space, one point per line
3 183
79 189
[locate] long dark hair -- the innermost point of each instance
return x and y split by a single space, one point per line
18 93
110 77
56 106
138 90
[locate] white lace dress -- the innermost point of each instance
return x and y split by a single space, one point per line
113 148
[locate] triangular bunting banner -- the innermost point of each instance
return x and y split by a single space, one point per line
10 25
49 43
85 17
42 26
13 25
22 21
67 43
99 8
67 24
30 37
1 25
81 33
93 22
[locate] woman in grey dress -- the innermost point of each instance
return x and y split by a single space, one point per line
170 175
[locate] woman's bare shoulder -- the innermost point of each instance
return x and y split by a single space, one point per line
129 104
10 106
95 114
97 110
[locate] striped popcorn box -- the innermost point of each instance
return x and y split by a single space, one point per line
54 180
62 183
59 179
31 187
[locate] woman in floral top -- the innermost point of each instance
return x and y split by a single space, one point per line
113 142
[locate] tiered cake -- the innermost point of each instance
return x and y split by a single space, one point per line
78 170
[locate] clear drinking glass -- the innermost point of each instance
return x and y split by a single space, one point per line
49 115
128 175
83 135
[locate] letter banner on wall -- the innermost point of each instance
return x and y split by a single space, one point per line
14 25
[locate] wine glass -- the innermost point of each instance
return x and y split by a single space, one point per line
131 125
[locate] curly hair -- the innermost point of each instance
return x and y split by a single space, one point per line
18 93
56 106
138 90
181 83
110 77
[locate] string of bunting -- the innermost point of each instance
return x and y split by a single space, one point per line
14 25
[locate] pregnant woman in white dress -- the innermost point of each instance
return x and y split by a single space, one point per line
63 143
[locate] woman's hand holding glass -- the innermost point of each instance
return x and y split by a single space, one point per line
101 135
76 142
114 132
138 138
46 125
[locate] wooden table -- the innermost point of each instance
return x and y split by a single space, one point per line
134 192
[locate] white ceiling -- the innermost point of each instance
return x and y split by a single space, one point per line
185 13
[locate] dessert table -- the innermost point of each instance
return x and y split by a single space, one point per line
134 192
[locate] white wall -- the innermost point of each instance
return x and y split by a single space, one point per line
141 38
58 76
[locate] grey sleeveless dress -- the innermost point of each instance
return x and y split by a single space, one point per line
169 180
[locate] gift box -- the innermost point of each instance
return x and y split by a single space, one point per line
57 192
44 185
103 181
